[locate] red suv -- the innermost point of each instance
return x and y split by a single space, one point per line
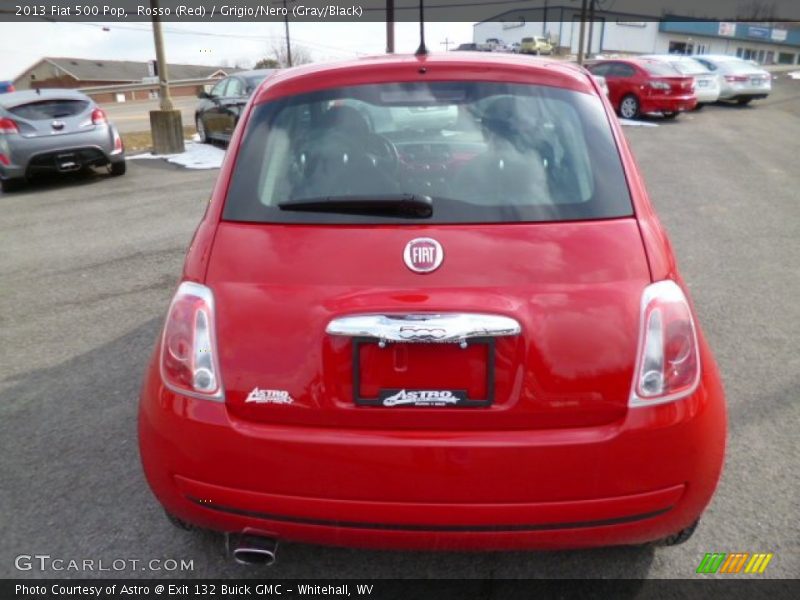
430 306
646 86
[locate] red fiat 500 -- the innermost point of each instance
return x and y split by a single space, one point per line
430 306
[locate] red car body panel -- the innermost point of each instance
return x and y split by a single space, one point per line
559 460
680 97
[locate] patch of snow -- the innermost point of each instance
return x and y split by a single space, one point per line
794 74
632 123
195 156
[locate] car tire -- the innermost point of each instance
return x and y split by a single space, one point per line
629 107
11 185
201 130
699 106
680 537
744 101
117 168
671 115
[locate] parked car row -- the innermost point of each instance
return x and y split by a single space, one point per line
671 84
56 131
528 45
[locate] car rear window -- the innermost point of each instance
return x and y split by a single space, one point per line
659 69
482 152
49 109
253 81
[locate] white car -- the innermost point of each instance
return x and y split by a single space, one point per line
601 83
707 85
739 80
497 45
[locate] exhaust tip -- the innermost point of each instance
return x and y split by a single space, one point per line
253 556
253 549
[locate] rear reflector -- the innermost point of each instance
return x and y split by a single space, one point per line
668 363
7 127
188 348
117 142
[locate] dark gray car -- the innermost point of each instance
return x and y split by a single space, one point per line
54 130
218 111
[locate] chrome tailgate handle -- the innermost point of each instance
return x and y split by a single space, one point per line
424 327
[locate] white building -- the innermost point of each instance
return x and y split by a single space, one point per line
613 33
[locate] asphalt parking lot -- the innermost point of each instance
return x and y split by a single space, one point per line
88 265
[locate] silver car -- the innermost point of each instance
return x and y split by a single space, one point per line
739 80
57 131
706 83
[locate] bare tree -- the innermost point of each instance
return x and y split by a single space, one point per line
756 10
300 54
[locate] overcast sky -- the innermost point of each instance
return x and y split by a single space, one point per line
22 44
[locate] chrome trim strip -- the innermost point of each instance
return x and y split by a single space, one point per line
424 327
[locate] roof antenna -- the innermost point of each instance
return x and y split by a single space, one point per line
422 50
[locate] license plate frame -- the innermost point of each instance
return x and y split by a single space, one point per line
463 402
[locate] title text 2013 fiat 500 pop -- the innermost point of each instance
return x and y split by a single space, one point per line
430 306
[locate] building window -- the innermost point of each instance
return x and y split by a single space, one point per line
785 58
680 48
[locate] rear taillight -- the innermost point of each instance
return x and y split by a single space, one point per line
738 78
99 116
668 364
189 348
7 127
117 142
659 85
4 159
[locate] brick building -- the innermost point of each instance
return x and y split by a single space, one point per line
77 73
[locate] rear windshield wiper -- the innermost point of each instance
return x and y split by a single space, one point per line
408 206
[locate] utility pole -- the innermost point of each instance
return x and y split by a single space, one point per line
544 21
582 32
165 101
166 126
446 43
591 28
288 43
389 26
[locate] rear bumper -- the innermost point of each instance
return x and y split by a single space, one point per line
11 171
623 483
738 91
70 159
60 153
651 104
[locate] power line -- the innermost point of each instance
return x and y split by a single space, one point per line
264 38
